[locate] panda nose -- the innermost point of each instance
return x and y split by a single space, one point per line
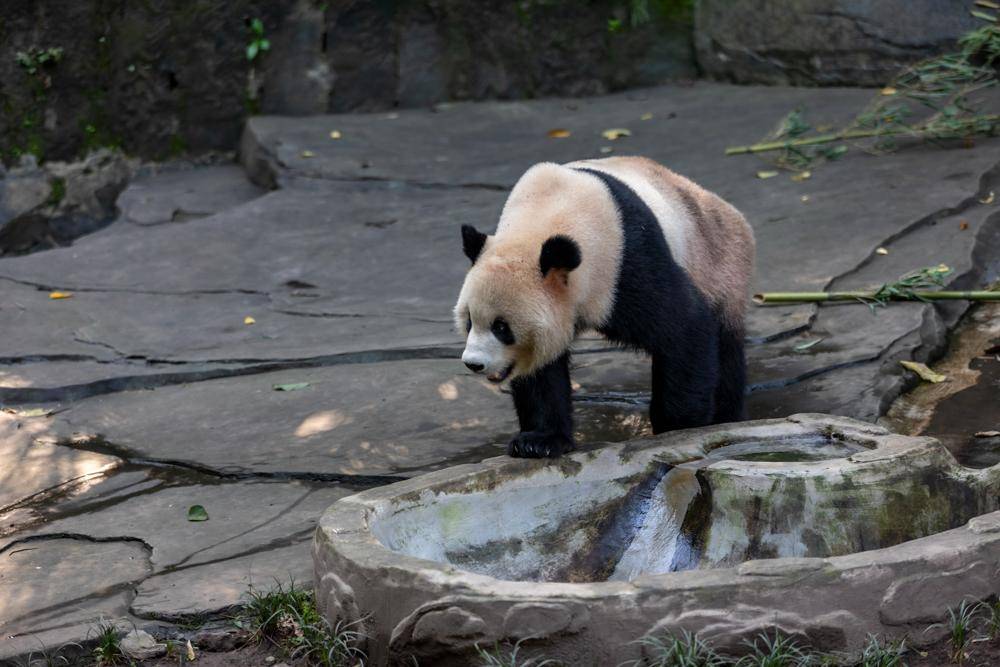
474 367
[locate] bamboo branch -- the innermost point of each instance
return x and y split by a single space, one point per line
848 134
768 298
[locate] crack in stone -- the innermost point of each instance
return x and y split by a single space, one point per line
100 445
292 173
239 368
184 561
81 537
44 287
988 182
298 537
60 489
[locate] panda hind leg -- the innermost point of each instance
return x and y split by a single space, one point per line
545 411
682 397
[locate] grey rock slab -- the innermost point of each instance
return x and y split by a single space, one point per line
243 517
123 339
33 470
362 248
179 194
491 144
35 326
385 418
54 583
217 586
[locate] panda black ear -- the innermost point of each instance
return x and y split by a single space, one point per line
472 242
559 252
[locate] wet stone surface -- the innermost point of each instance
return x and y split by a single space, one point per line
161 395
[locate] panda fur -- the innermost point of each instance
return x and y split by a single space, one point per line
625 247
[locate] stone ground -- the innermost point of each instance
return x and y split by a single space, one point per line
346 254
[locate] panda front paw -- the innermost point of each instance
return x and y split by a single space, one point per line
538 445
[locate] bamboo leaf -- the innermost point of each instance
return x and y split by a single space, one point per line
802 347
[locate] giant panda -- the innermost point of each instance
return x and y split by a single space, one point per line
628 248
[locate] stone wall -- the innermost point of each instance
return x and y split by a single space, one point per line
171 76
823 42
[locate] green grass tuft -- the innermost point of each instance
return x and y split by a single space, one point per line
959 625
287 616
883 653
687 650
777 651
108 650
509 656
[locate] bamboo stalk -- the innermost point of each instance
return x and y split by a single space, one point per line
768 146
767 298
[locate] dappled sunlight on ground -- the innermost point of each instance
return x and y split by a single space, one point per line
33 465
13 380
321 422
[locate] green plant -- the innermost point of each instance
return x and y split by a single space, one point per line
933 100
58 191
107 649
27 122
684 651
991 612
499 657
258 43
882 653
44 658
287 617
959 625
779 651
34 60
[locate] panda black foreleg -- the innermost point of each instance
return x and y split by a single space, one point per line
544 407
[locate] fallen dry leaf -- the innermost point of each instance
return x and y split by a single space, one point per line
190 651
924 372
646 116
804 198
963 225
249 320
559 133
335 134
987 434
801 176
988 199
606 149
308 154
881 251
888 90
60 295
766 174
614 133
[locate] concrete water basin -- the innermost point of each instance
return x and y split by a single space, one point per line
804 524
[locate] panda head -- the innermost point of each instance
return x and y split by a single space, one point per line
515 307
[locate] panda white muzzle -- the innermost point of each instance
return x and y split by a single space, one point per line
485 354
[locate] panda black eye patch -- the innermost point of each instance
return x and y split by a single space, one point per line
468 324
502 331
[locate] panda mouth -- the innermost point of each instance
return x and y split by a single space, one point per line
497 378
